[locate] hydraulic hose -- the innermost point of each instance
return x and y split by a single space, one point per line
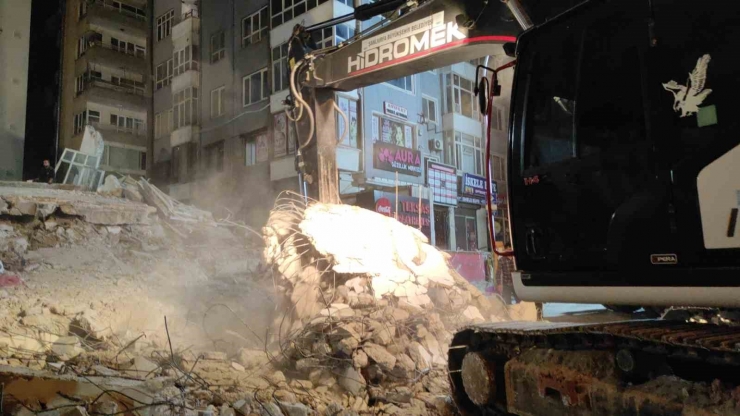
345 133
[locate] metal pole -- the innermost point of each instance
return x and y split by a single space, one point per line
396 214
420 189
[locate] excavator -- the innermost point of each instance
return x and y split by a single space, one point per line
624 189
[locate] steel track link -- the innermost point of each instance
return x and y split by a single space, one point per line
702 352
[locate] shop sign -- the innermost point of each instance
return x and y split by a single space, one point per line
474 185
442 179
408 210
395 110
389 157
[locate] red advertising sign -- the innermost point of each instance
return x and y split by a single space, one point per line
390 157
383 206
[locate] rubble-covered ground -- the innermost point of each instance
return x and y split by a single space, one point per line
129 302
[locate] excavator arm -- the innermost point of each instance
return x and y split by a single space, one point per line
430 35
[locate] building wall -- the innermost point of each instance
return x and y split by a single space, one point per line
103 95
15 29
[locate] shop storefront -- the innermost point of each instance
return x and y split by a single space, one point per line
470 215
411 211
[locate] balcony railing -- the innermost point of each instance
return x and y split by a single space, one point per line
185 16
139 130
122 8
99 44
99 83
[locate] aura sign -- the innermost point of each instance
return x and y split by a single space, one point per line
390 157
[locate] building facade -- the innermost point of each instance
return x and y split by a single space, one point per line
105 80
191 94
15 30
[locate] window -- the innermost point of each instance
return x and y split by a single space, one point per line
93 117
123 158
127 9
127 124
429 109
285 10
163 123
82 10
465 152
466 230
404 83
389 130
280 71
164 74
460 97
344 32
80 84
217 102
164 24
254 27
255 87
250 151
498 168
81 46
130 84
185 108
323 38
184 60
497 118
349 107
127 47
218 47
80 120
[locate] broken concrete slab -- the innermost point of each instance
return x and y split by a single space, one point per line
93 208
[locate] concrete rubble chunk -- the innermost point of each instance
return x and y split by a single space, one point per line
93 325
380 355
360 359
420 356
351 380
67 347
252 358
295 409
270 409
215 355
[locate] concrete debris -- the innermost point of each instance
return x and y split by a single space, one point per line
369 303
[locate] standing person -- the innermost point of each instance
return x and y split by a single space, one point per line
47 173
503 275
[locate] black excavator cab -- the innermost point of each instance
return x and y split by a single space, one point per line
624 154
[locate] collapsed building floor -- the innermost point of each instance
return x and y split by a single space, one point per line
125 301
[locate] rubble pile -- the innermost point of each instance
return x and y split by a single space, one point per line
369 307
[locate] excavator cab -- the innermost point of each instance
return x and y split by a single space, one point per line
622 144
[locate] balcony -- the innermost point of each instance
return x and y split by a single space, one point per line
103 14
119 134
108 56
185 30
114 95
183 135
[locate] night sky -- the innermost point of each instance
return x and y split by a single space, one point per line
43 85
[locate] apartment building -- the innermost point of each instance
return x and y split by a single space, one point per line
15 28
222 138
106 82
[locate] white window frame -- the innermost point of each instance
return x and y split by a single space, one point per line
247 87
220 92
404 89
457 92
163 123
167 71
497 118
250 151
425 100
498 167
93 118
249 35
79 122
218 52
186 99
307 5
281 74
164 24
184 60
82 10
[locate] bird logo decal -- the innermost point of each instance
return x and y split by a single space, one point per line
689 97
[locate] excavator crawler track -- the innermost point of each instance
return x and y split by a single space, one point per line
651 367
